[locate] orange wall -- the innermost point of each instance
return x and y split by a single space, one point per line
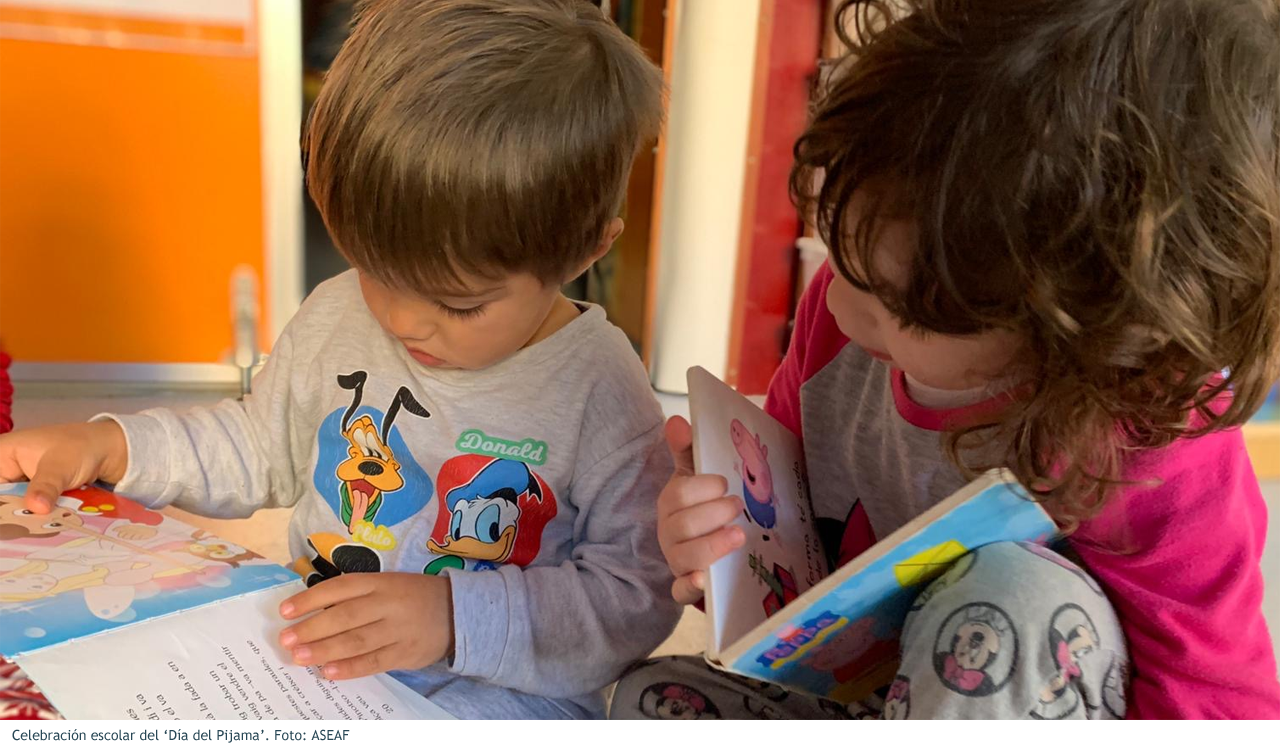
130 187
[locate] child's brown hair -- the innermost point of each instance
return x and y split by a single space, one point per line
1102 176
477 136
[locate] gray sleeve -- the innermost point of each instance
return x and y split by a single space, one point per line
223 461
562 631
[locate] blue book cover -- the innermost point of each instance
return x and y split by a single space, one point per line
101 561
774 612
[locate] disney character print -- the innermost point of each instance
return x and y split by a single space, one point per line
897 703
1072 634
671 700
493 512
1115 686
976 650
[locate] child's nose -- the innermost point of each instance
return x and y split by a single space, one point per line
404 323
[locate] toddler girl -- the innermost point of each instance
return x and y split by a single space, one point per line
1055 246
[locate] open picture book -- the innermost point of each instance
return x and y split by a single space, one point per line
116 611
774 610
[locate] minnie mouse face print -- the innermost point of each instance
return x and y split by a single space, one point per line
976 650
1071 635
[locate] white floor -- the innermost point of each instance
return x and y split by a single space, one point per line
264 532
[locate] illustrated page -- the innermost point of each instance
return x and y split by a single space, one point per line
763 463
100 561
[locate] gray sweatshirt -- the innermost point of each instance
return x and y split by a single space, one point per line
531 484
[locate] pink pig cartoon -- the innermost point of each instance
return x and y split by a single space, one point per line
757 479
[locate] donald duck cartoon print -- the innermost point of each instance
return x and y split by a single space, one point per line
494 513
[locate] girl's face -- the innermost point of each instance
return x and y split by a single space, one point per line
937 360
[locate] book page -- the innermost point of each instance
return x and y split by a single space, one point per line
100 562
215 662
762 461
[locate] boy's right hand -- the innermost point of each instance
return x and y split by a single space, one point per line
53 459
693 517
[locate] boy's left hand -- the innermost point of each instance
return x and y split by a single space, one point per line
368 623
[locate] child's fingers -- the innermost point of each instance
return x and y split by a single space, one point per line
347 645
52 476
348 615
326 594
686 492
687 589
372 663
698 554
680 443
37 499
701 519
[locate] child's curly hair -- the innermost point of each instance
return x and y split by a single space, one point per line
1101 176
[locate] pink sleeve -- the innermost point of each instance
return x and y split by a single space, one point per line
815 341
1187 584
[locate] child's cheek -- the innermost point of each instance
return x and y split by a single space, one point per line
840 305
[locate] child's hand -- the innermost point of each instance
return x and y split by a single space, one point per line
368 623
693 518
58 458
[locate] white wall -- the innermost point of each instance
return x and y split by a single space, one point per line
712 70
280 93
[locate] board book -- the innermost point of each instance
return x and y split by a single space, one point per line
775 612
116 611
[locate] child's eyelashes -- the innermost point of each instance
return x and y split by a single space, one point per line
462 313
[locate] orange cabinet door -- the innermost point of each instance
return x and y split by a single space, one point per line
131 179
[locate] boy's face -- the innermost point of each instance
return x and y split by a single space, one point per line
469 328
934 359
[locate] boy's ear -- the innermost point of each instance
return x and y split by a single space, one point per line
612 231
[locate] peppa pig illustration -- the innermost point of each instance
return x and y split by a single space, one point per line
757 479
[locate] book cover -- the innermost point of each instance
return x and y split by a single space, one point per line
100 561
103 591
837 637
